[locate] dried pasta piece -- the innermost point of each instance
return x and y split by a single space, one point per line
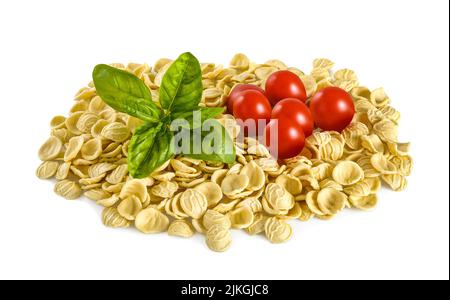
50 149
258 225
96 105
181 228
379 98
165 189
96 129
255 174
240 62
396 182
365 164
73 148
68 189
241 217
322 171
151 220
130 207
57 122
134 187
218 238
352 134
234 184
313 205
86 121
112 218
290 183
100 168
263 72
372 143
277 230
116 132
211 191
71 122
403 164
109 202
252 202
63 171
194 203
277 200
398 149
386 130
330 183
97 194
365 202
307 214
198 226
331 201
212 217
347 173
382 164
359 189
118 174
92 149
47 169
323 63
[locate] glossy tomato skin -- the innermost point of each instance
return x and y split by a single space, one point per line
291 138
252 105
284 84
296 110
332 109
238 89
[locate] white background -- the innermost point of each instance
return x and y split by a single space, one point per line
47 52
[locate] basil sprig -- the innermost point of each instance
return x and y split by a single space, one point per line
180 92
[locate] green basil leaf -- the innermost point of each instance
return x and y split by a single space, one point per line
181 87
197 117
149 148
125 92
216 145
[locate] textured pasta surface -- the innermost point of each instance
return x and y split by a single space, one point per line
87 151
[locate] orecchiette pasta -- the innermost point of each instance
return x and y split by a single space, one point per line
87 155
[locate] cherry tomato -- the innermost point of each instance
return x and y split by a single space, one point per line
284 84
240 88
288 139
252 105
296 110
332 109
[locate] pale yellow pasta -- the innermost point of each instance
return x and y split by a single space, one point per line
218 238
347 173
50 149
73 148
116 132
331 201
87 153
47 169
151 220
180 228
130 207
241 217
112 218
277 231
211 191
68 189
193 203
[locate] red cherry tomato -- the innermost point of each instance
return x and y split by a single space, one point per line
240 88
252 105
288 139
296 110
284 84
332 109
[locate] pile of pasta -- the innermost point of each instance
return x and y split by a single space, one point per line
87 154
